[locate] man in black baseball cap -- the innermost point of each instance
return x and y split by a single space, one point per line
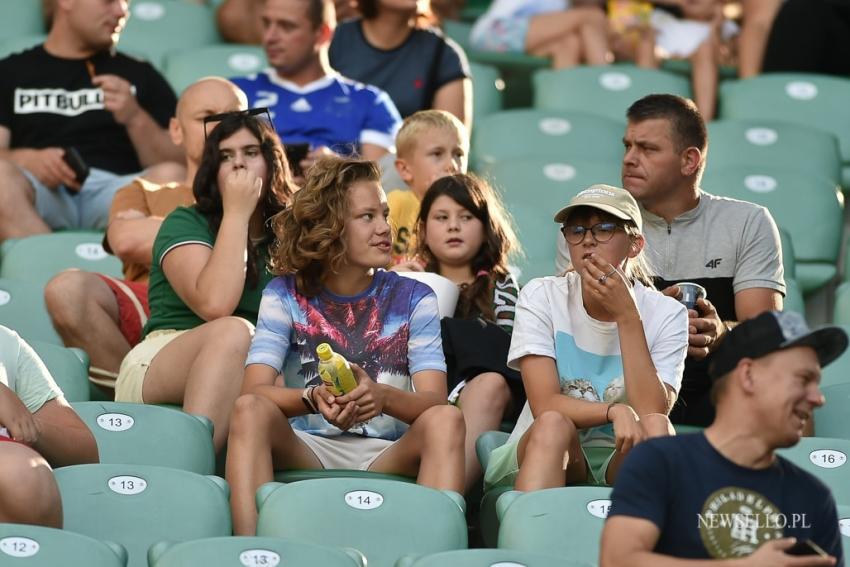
724 493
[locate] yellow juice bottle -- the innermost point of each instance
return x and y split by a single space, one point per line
335 371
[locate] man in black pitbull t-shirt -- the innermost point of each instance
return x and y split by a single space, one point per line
73 92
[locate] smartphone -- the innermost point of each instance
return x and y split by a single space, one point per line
806 547
294 154
76 162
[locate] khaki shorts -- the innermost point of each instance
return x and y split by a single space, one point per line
345 451
134 367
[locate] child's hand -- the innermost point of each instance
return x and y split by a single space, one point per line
609 286
368 395
16 418
337 414
627 429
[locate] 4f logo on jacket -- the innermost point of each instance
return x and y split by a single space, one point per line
714 263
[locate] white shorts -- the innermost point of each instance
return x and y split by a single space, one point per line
345 451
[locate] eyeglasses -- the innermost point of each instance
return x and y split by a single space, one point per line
601 231
216 118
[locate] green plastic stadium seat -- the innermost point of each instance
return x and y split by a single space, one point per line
826 458
8 46
22 310
68 369
533 190
487 87
558 135
514 68
757 143
38 258
564 521
489 521
137 505
839 371
844 524
831 418
841 314
795 199
21 19
37 546
489 558
486 443
607 91
811 100
794 300
150 435
182 68
382 519
251 551
156 27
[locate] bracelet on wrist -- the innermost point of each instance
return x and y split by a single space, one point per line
307 398
608 411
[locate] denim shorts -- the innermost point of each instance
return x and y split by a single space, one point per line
88 208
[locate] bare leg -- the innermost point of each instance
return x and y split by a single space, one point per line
202 370
483 402
645 50
653 425
85 313
704 71
541 454
239 21
28 491
18 217
432 449
260 441
547 33
758 19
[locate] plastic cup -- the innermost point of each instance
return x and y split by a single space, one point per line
691 292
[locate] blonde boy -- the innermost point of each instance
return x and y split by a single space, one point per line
430 144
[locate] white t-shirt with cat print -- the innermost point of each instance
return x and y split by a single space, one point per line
551 321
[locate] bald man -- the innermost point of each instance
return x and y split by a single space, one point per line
103 315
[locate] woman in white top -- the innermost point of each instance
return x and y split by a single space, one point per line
601 353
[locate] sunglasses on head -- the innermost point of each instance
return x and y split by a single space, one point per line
216 118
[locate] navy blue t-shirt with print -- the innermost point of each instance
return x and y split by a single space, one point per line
707 507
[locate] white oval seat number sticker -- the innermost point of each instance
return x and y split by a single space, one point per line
244 62
19 546
559 171
615 81
259 557
555 126
364 499
5 297
599 508
844 526
90 251
507 564
761 136
760 183
149 11
127 485
115 421
828 458
801 90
